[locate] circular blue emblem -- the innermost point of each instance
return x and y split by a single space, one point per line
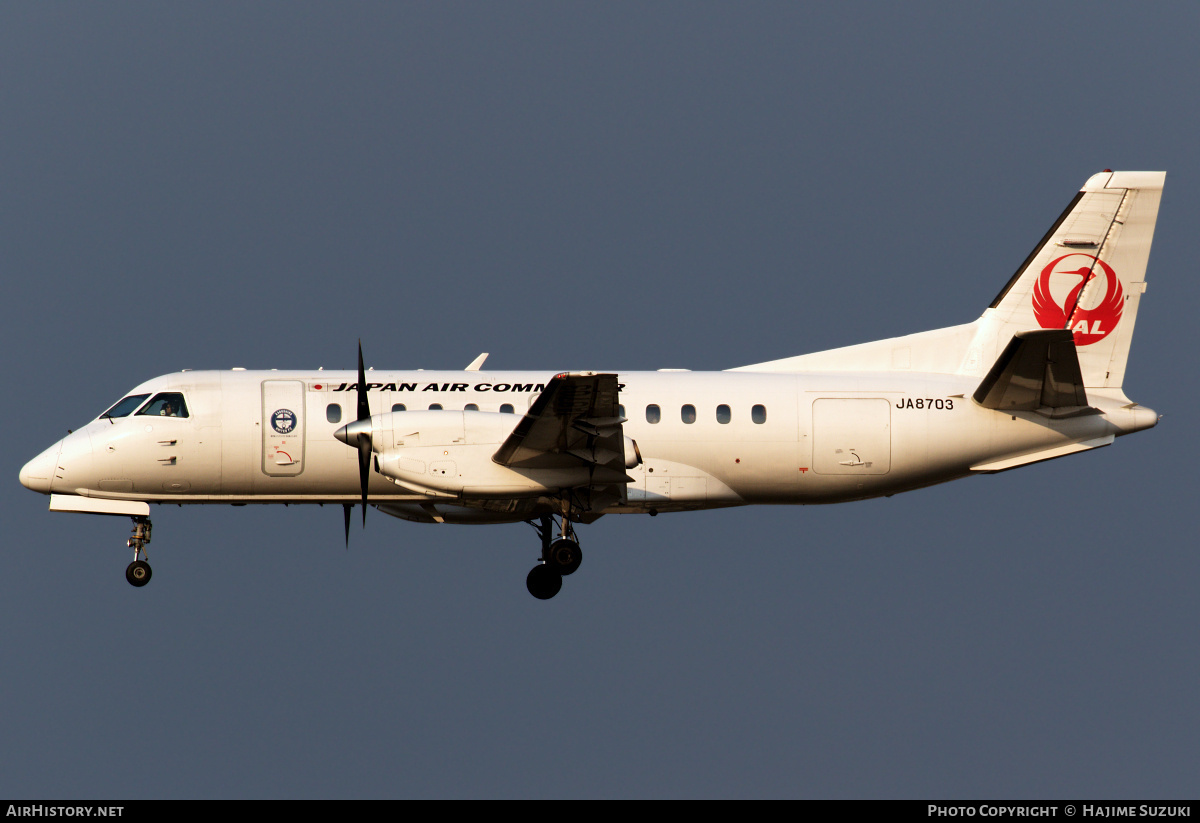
283 421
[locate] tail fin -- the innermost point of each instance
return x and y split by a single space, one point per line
1087 275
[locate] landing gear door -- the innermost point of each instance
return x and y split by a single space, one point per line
282 427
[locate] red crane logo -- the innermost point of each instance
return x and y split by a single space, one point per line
1090 325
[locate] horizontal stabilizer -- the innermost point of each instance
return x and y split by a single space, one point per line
1036 370
993 466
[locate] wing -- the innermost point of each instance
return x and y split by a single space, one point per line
574 421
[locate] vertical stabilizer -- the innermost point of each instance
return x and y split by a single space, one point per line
1087 275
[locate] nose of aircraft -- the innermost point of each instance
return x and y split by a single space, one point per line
38 473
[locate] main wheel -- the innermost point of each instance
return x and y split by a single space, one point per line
564 556
138 573
543 582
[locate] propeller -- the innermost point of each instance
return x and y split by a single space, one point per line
364 437
358 434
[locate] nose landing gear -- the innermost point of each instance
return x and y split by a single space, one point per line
559 558
138 572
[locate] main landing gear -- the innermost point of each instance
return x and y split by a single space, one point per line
138 572
559 558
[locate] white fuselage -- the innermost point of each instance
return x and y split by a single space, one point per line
1038 375
790 438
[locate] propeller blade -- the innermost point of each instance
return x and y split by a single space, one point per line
364 439
358 434
364 467
364 405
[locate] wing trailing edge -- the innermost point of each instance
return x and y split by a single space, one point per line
574 422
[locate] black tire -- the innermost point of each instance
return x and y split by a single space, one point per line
138 573
564 556
542 582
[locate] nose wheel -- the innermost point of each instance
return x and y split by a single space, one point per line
138 572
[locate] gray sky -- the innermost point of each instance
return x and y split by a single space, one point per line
628 186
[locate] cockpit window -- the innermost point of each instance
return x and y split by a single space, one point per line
125 406
166 404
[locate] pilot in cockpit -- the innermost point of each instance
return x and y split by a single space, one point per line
168 409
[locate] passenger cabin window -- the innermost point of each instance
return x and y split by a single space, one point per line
759 413
166 404
506 408
435 406
333 413
688 413
470 407
653 413
125 406
723 415
398 407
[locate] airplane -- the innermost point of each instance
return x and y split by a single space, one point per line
1037 376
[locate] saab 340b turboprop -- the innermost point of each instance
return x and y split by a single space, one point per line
1038 376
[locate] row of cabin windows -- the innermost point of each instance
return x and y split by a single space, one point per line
333 412
687 413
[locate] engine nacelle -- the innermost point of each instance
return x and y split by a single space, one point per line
449 454
469 471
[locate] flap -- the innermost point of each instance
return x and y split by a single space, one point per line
574 420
